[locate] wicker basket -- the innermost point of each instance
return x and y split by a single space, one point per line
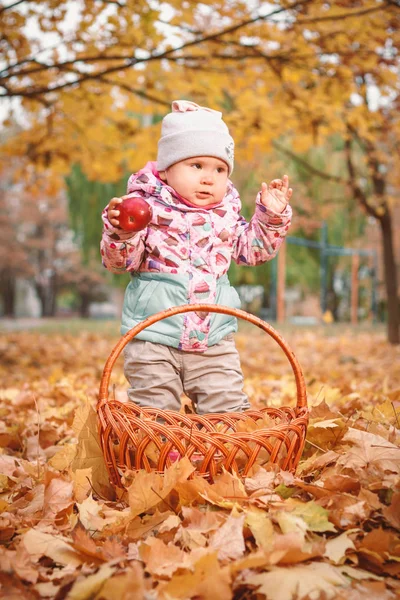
147 438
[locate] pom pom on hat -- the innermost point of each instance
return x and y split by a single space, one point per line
191 130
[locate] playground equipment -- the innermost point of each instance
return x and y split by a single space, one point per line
134 437
277 292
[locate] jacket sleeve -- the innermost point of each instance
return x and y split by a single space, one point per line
121 250
258 240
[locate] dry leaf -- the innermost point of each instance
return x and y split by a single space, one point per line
228 539
149 489
163 560
38 544
88 451
81 479
86 588
57 498
262 529
208 581
63 458
298 582
353 485
336 547
392 512
129 585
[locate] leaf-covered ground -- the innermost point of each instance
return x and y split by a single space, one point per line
329 532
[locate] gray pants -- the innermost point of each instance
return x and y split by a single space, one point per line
158 375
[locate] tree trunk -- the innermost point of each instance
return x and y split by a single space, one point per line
84 306
8 292
47 296
390 271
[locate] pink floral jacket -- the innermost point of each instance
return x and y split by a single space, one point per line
183 256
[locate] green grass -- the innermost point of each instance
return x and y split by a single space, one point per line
73 325
107 327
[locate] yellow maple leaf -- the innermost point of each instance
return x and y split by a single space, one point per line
88 452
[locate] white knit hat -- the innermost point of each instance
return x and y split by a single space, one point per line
191 130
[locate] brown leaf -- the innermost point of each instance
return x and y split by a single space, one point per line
392 512
370 449
189 491
163 560
305 580
207 581
38 544
228 539
113 549
142 527
84 544
88 586
129 585
201 520
57 497
147 490
88 451
227 491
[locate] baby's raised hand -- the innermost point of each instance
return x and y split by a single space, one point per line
113 212
277 194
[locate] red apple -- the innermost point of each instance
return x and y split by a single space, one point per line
134 213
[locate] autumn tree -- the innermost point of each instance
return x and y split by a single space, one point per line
85 281
301 70
14 259
37 245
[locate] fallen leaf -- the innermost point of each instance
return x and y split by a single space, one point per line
370 449
85 588
163 560
392 512
228 539
88 450
298 582
336 547
128 585
149 489
57 497
314 515
81 479
262 529
208 581
63 458
38 544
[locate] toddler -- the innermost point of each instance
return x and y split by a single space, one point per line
183 256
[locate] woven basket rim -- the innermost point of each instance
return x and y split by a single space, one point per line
176 310
119 421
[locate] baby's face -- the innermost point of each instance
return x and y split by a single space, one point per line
201 180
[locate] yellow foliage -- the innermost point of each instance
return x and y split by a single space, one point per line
270 77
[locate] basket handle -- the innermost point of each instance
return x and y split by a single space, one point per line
214 308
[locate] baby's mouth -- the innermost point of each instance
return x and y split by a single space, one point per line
203 194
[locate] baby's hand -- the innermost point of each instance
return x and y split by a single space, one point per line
277 194
113 212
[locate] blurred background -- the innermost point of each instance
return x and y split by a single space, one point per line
308 88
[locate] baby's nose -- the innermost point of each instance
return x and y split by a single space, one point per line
207 178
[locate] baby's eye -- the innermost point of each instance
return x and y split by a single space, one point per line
221 170
196 165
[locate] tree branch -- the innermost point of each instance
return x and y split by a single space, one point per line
310 168
139 93
4 8
133 61
170 54
357 191
115 2
338 17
